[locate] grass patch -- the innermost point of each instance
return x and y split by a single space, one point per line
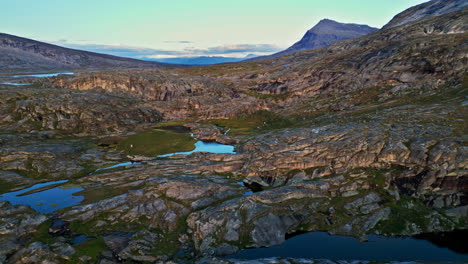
94 195
6 186
91 248
406 210
42 234
153 142
274 97
257 122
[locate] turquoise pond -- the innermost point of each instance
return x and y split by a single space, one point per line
200 146
210 147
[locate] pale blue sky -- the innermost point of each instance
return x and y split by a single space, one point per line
211 27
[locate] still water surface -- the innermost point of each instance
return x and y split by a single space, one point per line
321 245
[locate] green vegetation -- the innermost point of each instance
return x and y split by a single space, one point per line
405 211
42 234
91 248
6 186
257 122
152 143
274 97
93 195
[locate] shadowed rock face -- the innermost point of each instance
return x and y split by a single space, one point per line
20 54
425 10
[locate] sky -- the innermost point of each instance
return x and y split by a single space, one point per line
185 28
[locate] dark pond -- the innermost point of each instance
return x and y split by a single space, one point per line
321 245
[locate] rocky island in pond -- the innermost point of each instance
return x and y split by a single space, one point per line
348 147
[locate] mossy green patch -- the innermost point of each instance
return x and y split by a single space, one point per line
42 234
273 97
94 195
257 122
154 142
405 211
6 186
91 248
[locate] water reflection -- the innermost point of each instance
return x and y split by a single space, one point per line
322 245
44 199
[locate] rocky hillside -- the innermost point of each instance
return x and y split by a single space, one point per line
365 136
428 9
22 55
323 34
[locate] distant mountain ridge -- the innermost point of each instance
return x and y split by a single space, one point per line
19 54
200 60
323 34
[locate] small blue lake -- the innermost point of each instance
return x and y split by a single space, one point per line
47 200
43 75
15 84
321 245
210 147
200 146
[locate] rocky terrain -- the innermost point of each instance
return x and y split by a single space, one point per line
428 9
366 136
19 54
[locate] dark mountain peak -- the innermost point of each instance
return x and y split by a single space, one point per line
324 33
328 31
326 21
326 26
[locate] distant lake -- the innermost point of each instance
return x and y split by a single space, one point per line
15 84
43 75
321 245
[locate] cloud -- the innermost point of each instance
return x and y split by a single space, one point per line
178 41
233 50
238 48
